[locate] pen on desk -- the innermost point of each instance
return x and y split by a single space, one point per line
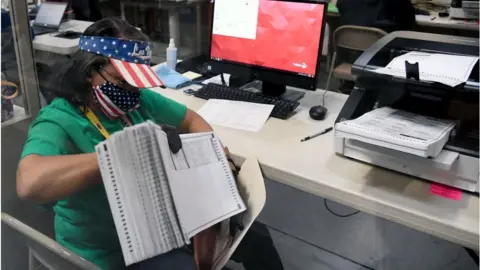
317 134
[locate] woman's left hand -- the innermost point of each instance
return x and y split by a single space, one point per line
174 141
227 152
233 167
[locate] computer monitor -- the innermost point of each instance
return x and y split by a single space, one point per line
50 14
276 42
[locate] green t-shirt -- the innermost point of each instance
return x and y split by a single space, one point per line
83 221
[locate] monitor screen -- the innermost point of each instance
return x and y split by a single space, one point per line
50 14
272 34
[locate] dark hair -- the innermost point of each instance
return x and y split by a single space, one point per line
72 80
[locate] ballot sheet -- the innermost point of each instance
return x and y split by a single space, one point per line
399 130
160 199
405 124
450 70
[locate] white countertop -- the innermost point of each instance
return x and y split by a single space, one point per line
313 167
433 20
50 43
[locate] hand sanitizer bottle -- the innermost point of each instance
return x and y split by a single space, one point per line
171 55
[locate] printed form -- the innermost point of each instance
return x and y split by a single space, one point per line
236 18
236 114
197 150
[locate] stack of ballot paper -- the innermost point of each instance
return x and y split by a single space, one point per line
450 70
398 130
158 199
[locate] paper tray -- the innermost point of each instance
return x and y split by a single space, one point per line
448 168
443 161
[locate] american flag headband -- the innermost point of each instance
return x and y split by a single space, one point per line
131 58
133 51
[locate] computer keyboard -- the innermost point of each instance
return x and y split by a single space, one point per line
283 108
39 30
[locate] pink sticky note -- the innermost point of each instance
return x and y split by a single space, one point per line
446 192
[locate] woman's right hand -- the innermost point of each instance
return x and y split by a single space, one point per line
52 178
174 141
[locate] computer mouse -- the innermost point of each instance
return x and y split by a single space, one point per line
318 112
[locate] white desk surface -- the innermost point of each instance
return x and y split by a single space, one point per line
50 43
433 20
313 167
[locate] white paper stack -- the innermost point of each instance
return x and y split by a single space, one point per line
159 200
450 70
398 130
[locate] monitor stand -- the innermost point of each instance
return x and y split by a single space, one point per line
273 89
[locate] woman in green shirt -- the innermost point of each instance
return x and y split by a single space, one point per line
59 163
98 95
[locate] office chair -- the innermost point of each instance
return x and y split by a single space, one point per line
353 38
46 251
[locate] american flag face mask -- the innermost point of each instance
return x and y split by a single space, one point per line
114 101
131 58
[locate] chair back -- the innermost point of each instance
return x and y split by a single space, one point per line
47 251
358 38
251 186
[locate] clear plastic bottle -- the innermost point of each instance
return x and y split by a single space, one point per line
171 54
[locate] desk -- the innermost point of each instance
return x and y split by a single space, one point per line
313 167
433 20
50 43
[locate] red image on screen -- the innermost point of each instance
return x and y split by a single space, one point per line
287 38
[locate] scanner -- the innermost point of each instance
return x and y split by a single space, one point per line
461 104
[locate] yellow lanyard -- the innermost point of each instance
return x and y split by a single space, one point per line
96 122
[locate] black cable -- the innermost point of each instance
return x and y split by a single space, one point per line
338 215
323 97
223 79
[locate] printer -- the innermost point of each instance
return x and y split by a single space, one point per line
464 9
459 104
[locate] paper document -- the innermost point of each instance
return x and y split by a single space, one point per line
192 75
399 130
450 70
404 124
160 200
196 151
236 114
218 80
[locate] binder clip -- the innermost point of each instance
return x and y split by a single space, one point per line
412 70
